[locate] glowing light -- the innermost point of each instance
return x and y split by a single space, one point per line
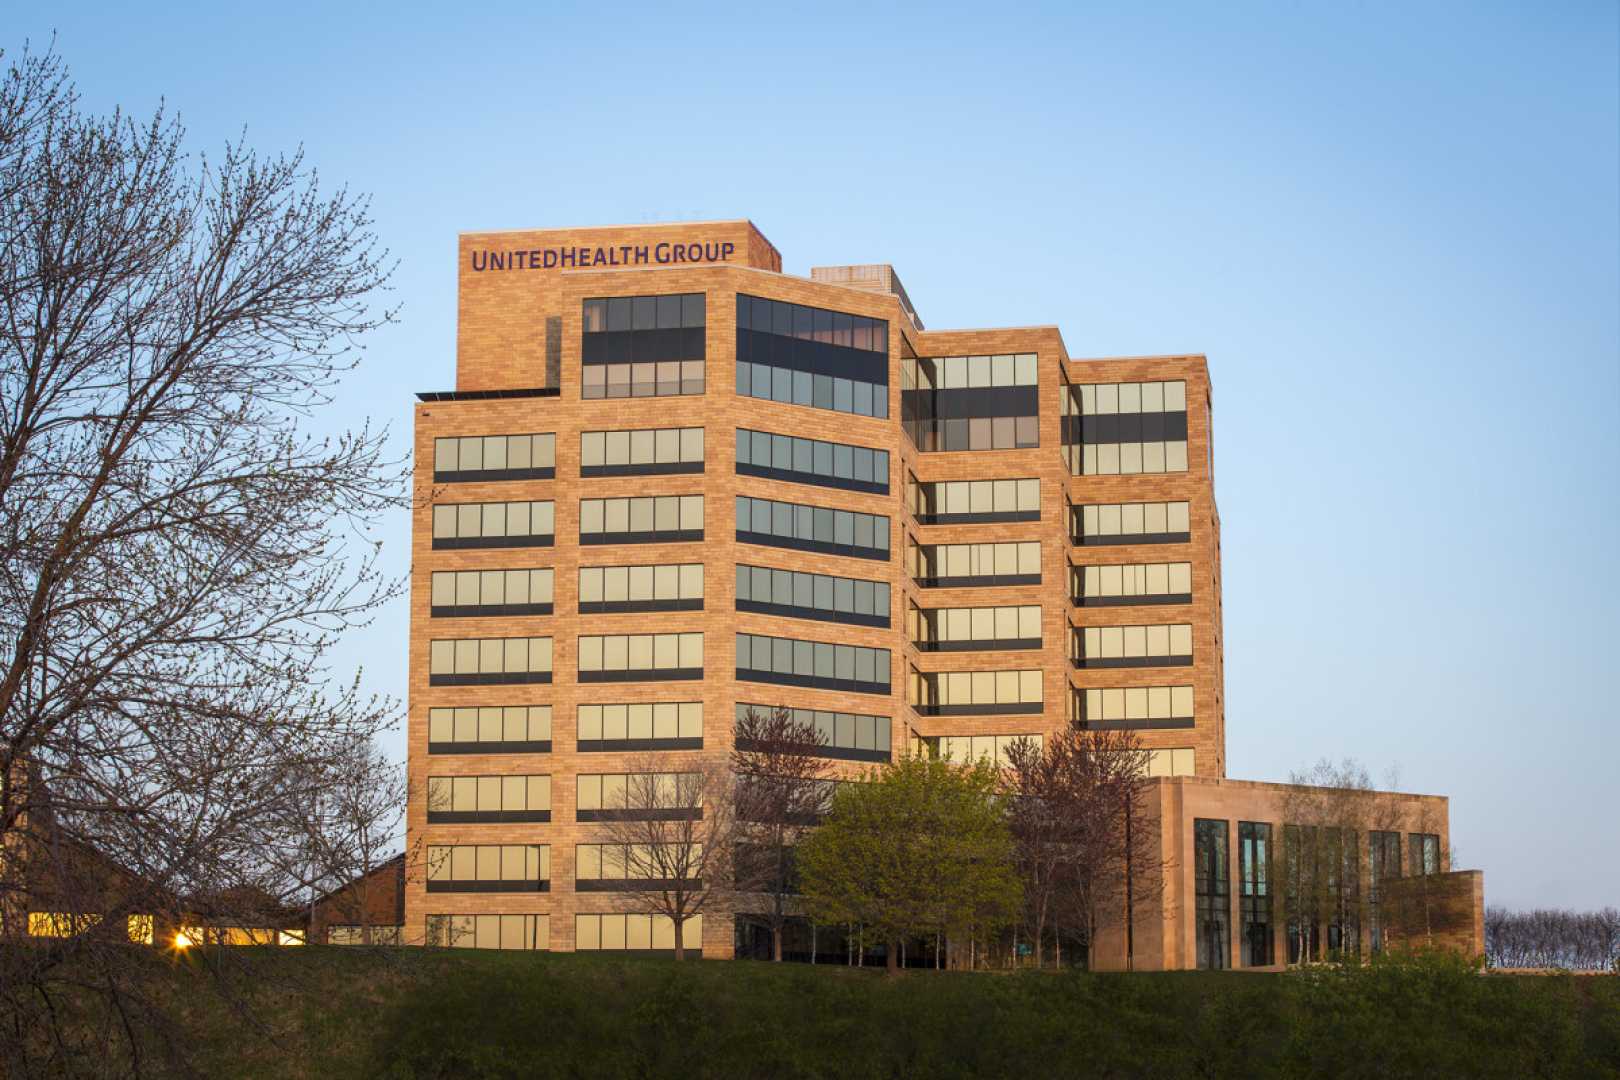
182 939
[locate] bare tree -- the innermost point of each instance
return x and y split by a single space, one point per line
338 844
783 790
673 827
176 552
1553 939
1078 820
1046 825
1328 814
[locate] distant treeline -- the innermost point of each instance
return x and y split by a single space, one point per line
1553 938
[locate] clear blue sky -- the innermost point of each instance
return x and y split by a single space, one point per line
1393 228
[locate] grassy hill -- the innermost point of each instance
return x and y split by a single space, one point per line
415 1013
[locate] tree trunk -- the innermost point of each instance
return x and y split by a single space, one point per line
776 944
680 927
892 960
1130 898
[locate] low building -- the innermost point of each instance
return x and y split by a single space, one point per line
1244 874
369 910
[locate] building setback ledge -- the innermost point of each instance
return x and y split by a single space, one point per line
487 395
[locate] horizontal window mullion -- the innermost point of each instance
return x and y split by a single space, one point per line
660 468
489 678
640 814
1132 601
642 675
1133 538
986 645
452 543
818 546
978 581
530 746
1000 517
469 476
666 536
635 884
612 607
473 611
1146 724
814 479
981 708
607 746
485 817
789 611
815 682
519 886
1132 661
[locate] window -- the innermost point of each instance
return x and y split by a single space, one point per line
636 933
1128 428
948 566
976 693
662 725
1131 523
490 729
1214 928
353 934
964 502
642 346
1174 762
799 595
800 355
194 934
489 931
642 452
494 525
1254 872
1424 851
666 587
1322 886
488 868
1384 862
489 661
1133 646
1135 708
812 528
818 664
973 629
970 402
812 461
469 593
640 657
494 457
643 520
638 796
60 924
966 749
847 736
460 800
1131 583
620 868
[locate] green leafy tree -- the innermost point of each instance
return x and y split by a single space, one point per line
919 848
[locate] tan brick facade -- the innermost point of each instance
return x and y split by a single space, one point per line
501 347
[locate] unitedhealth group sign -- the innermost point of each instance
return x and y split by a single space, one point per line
579 258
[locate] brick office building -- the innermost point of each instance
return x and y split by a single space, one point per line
673 481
